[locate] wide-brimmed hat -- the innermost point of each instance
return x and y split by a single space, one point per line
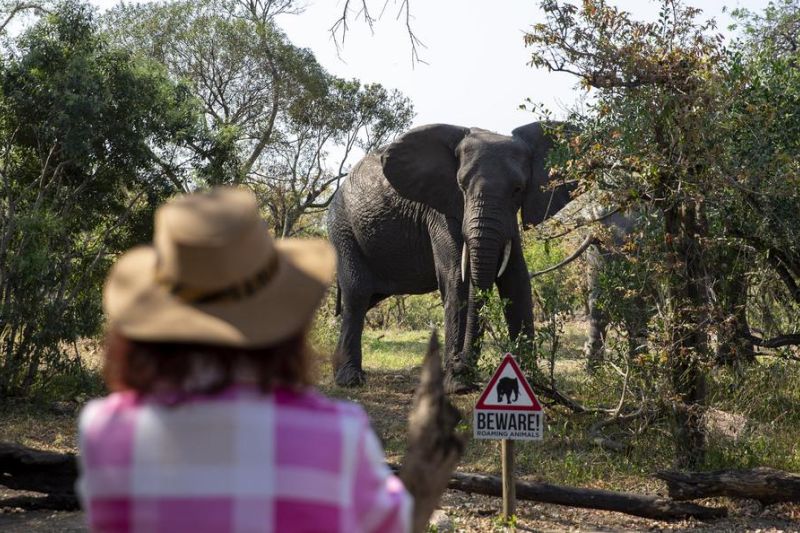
214 275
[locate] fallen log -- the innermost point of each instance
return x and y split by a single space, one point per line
23 468
606 500
645 506
51 502
766 485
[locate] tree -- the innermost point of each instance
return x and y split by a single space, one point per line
762 125
706 136
80 122
273 115
648 140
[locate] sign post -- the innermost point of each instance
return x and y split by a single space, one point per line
508 410
509 481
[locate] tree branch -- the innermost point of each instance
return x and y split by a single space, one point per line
791 339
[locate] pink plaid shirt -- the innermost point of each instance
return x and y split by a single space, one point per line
236 461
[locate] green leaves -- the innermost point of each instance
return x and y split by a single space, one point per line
273 117
703 134
85 133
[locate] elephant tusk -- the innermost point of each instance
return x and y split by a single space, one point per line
588 241
506 255
464 259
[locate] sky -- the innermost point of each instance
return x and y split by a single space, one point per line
475 71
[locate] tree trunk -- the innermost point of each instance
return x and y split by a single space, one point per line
687 313
734 346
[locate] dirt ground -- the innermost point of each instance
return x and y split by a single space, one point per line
387 400
468 513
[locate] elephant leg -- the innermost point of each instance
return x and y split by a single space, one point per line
636 327
347 367
446 242
515 287
594 348
596 343
454 296
459 375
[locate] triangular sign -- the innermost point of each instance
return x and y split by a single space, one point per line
508 390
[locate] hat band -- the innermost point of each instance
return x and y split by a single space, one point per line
234 292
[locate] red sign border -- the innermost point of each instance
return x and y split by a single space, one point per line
508 360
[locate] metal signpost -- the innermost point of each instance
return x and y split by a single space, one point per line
508 410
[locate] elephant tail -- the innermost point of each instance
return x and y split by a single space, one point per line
338 309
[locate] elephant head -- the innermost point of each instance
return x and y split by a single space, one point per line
481 178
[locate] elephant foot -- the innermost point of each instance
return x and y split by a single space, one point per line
348 376
459 377
458 384
595 355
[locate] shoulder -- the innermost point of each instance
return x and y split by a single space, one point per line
316 402
309 412
102 410
106 428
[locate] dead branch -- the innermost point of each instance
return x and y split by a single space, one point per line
434 446
341 26
792 339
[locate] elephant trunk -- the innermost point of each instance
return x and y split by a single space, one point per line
487 245
485 255
484 260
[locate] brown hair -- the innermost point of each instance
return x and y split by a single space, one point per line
145 366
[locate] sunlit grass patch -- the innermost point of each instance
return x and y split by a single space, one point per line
394 350
45 427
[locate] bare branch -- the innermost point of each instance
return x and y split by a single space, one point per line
18 8
341 26
792 339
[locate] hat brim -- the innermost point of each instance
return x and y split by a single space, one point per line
141 309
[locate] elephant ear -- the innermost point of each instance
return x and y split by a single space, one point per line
540 201
422 166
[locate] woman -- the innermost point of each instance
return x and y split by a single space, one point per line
211 424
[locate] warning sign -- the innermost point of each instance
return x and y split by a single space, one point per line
507 408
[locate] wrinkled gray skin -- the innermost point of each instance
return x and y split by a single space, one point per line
732 345
598 256
400 220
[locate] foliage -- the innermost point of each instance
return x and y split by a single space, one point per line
762 125
79 123
274 118
707 137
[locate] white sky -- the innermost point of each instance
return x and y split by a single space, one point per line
476 72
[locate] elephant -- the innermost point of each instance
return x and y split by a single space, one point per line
602 253
438 209
602 257
505 386
600 249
